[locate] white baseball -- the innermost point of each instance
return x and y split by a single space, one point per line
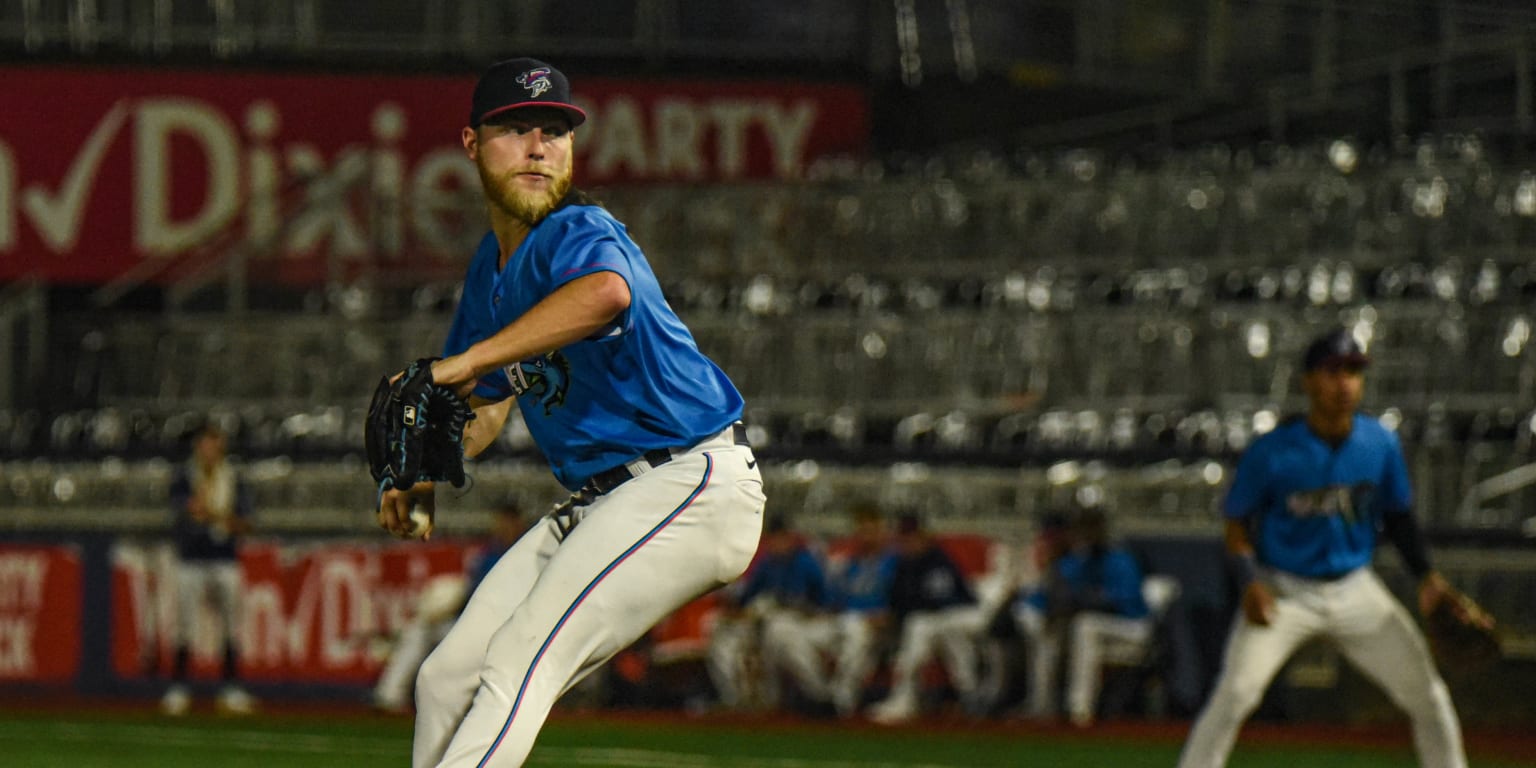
419 521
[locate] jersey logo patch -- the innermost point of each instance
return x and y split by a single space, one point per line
536 81
1346 501
546 377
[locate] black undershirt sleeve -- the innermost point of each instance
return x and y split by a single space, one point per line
1403 530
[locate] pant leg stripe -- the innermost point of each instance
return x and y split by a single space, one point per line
709 466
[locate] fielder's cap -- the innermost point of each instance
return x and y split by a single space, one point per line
1337 347
517 83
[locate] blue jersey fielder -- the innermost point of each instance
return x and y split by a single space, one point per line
637 385
1313 507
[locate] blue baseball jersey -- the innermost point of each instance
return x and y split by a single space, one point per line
795 579
1314 507
638 385
1108 581
863 584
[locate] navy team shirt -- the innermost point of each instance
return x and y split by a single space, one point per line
1313 508
637 385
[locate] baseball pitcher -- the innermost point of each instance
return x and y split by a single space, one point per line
561 313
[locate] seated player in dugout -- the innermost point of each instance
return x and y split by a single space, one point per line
933 610
1091 594
831 653
783 586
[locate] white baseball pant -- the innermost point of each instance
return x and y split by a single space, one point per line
1370 628
797 643
954 633
196 582
437 607
555 608
1086 634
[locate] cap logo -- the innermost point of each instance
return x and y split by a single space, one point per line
536 81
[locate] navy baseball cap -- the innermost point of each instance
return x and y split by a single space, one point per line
517 83
1334 348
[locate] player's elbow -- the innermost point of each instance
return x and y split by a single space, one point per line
609 293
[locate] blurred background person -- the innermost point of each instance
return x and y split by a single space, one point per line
1091 594
933 610
438 606
858 601
212 514
784 584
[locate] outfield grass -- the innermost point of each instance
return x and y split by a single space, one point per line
125 739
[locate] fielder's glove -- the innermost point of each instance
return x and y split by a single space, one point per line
415 430
1464 637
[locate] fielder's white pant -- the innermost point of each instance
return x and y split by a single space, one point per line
552 611
796 643
1369 627
198 581
436 609
953 633
1086 633
733 642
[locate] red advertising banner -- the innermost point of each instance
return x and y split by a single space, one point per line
101 171
311 612
40 599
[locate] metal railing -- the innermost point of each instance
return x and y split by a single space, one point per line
23 340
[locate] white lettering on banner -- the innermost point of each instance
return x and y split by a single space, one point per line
731 119
263 207
233 170
343 610
265 623
678 134
443 179
158 120
22 576
787 134
57 216
326 212
385 219
620 141
16 658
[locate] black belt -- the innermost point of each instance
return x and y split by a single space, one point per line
609 479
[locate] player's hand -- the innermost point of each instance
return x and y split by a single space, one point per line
197 509
1433 588
395 507
456 374
1258 604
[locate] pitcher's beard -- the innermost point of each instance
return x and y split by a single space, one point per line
529 208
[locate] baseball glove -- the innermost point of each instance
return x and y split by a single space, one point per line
1464 637
415 430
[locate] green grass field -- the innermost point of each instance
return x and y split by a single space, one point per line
127 739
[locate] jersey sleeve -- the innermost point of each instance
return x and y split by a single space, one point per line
590 245
1397 492
1246 493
